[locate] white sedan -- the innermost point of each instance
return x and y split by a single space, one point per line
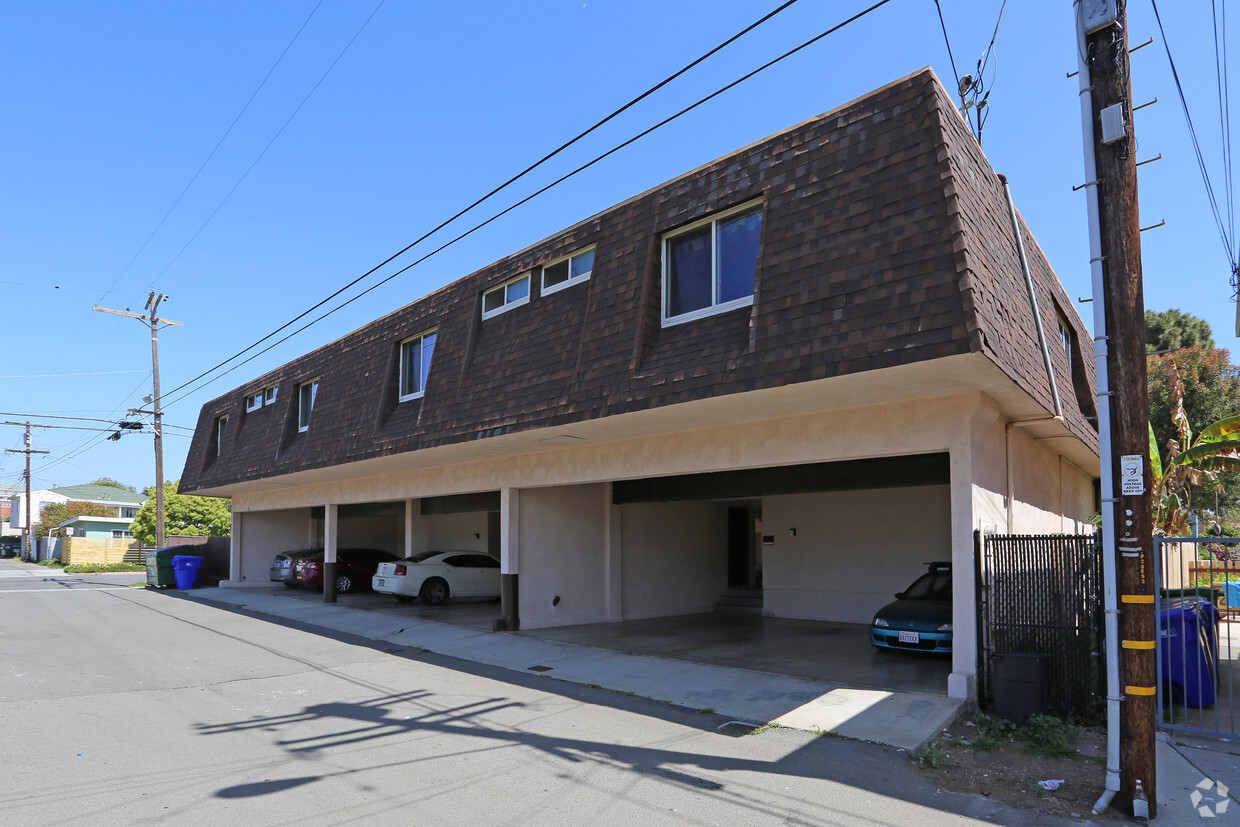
435 576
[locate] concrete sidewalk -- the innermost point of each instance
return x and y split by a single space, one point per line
901 719
907 720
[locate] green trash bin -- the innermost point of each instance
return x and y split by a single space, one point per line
159 572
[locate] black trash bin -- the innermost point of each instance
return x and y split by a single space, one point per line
1019 685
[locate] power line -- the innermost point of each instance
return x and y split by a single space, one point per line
496 190
1224 233
78 419
60 375
214 149
519 203
274 138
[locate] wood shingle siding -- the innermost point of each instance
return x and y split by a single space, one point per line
885 240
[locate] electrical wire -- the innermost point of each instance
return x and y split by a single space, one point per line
274 138
553 153
215 148
1224 113
951 58
1224 234
528 198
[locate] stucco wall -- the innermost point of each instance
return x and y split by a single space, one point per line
674 558
266 533
384 532
1050 494
852 550
563 541
455 531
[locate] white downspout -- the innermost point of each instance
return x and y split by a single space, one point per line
1110 601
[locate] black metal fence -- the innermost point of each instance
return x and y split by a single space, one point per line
1042 595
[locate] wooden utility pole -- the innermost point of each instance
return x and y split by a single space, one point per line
27 505
152 304
1104 23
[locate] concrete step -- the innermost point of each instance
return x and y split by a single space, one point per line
729 609
740 600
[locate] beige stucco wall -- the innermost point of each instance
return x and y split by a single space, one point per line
851 551
582 558
563 535
263 534
675 557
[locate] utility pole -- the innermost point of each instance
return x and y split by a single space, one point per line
152 304
28 505
1120 347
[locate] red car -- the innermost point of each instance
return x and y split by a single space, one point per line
354 568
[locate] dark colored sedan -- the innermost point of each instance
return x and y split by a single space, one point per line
282 566
920 619
354 568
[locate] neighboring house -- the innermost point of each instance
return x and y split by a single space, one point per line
7 526
806 368
122 504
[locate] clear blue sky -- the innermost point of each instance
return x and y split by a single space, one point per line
112 107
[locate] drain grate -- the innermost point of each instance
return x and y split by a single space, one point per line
737 728
539 668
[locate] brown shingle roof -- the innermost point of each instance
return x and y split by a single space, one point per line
885 241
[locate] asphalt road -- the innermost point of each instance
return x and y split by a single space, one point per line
126 705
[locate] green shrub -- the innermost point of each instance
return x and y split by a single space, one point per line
88 568
1049 736
51 563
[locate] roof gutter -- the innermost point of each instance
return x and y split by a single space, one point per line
1033 296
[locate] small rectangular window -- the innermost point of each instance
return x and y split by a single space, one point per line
305 403
505 297
567 271
121 534
415 364
269 395
220 423
254 402
129 512
711 265
1065 341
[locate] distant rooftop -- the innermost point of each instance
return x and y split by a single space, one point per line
99 493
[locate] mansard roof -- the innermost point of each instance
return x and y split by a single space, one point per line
886 241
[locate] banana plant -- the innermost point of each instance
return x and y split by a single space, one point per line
1190 460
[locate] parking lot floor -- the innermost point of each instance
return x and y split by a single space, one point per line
651 660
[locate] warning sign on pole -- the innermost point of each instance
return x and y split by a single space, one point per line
1131 475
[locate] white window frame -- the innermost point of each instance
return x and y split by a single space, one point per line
303 422
713 308
421 337
221 422
508 304
253 402
270 394
117 533
546 289
1067 339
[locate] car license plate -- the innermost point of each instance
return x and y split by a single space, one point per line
910 637
380 582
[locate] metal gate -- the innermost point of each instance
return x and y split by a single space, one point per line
1041 595
1197 605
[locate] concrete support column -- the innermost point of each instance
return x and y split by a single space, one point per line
234 550
331 514
613 569
409 506
510 553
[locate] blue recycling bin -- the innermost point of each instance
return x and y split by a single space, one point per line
185 570
1188 650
